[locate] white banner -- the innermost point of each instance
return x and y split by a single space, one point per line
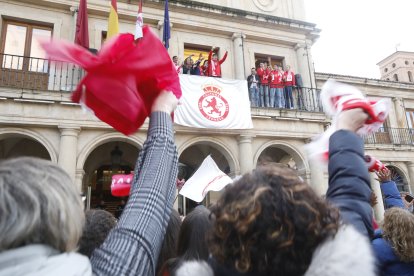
213 103
207 178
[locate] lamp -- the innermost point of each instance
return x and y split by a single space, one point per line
116 155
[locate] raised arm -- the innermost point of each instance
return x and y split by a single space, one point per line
133 246
392 197
223 58
349 182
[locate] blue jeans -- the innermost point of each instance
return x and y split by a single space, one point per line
264 95
254 96
288 97
272 94
280 100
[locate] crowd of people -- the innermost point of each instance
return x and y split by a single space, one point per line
269 222
211 67
268 86
273 87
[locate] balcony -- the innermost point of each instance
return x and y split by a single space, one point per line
37 74
391 136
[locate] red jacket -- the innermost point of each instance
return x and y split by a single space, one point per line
264 75
277 79
214 70
289 78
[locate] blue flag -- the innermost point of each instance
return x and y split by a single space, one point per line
167 32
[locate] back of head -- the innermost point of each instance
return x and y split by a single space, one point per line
97 227
269 223
192 240
39 204
169 245
398 228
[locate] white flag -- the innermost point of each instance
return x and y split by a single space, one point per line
207 178
138 26
213 103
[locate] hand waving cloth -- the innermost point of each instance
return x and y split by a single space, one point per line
337 97
123 80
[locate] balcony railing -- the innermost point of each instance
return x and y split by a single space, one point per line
41 74
391 136
38 73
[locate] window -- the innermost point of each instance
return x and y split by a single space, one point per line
21 49
393 65
410 76
406 62
395 77
409 113
196 50
271 60
386 70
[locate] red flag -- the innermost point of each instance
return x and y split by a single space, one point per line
82 33
123 80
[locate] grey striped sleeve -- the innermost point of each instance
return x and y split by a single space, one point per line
132 248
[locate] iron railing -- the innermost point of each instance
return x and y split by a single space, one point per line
38 73
391 136
45 75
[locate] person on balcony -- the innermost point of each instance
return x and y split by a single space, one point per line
289 79
264 74
276 88
252 83
177 65
260 72
214 64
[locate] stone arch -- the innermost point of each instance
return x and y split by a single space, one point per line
217 144
102 139
33 135
400 171
298 157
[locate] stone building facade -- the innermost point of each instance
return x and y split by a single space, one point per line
37 117
398 66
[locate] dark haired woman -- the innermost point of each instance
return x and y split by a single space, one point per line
192 240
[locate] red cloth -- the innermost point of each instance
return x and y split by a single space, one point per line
215 71
123 80
82 33
289 78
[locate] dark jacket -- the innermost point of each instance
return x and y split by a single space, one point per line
388 263
250 80
349 182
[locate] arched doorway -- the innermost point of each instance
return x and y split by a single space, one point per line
19 145
189 161
398 177
281 152
104 161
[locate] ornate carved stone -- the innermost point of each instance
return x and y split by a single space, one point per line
266 5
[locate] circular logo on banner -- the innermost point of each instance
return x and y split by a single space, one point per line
213 106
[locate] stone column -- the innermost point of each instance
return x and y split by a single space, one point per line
79 180
303 66
410 166
317 180
238 55
379 207
400 112
245 153
160 27
68 149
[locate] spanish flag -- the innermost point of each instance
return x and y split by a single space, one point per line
113 25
